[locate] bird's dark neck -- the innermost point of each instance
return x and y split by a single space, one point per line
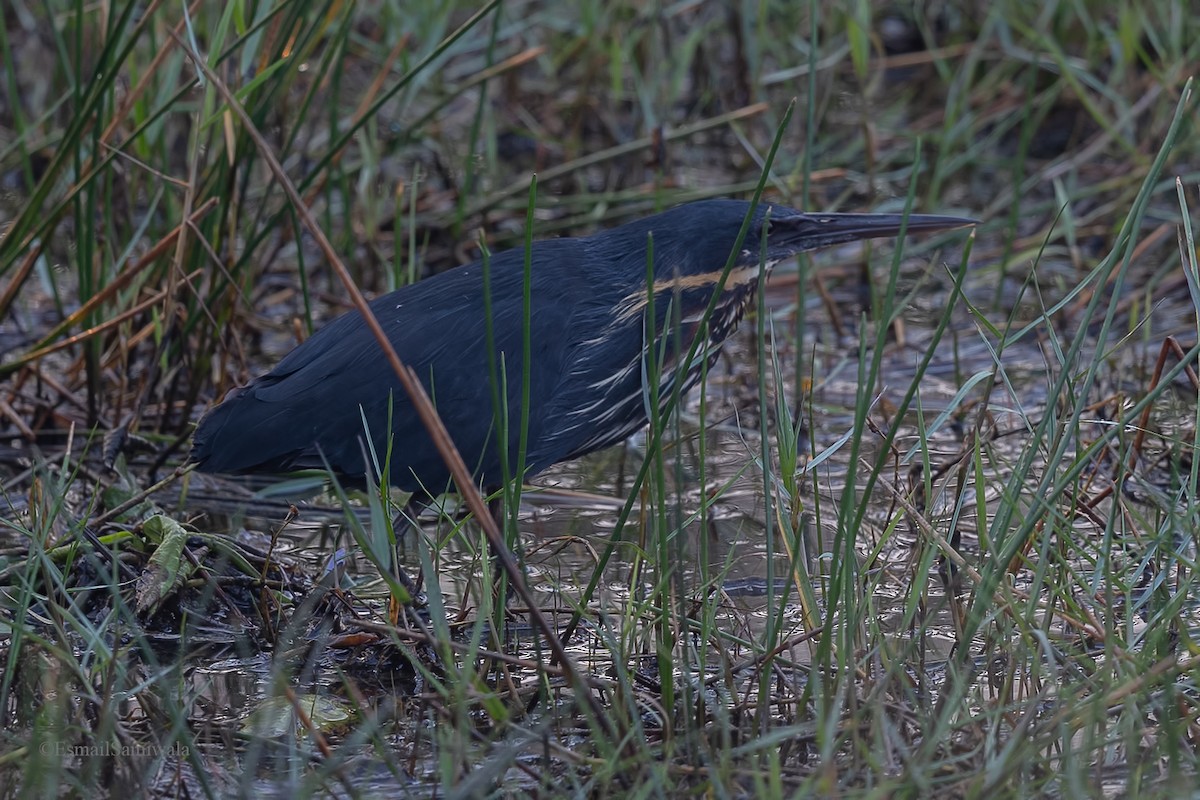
679 308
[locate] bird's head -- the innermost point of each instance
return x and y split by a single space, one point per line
695 239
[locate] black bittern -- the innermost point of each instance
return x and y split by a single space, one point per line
590 338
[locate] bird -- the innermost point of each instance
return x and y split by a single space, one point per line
334 400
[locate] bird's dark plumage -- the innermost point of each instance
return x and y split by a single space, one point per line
589 301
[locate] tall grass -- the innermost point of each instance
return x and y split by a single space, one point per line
976 549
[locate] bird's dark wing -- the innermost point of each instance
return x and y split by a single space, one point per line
310 409
599 398
602 397
599 401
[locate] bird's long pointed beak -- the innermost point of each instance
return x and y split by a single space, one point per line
806 231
